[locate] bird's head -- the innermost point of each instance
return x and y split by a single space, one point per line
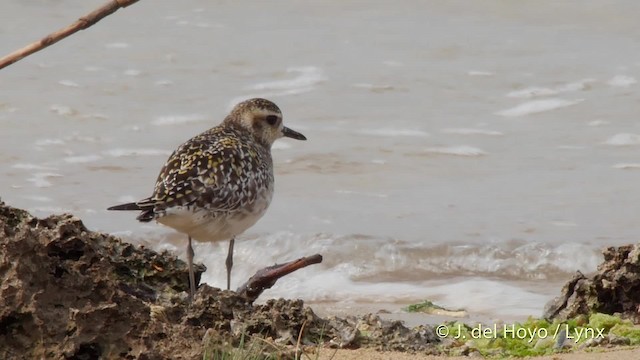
263 119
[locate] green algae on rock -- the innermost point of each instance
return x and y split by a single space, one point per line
536 337
613 289
428 307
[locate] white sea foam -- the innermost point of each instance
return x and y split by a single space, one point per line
306 76
62 110
480 73
622 81
598 122
120 152
24 166
579 85
461 150
122 234
49 210
163 82
132 72
471 131
306 80
393 132
84 138
178 119
82 159
402 271
563 223
334 286
48 142
97 116
41 179
38 198
375 87
623 139
322 220
267 95
531 92
69 83
487 296
537 106
627 166
536 91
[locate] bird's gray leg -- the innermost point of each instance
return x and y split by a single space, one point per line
229 262
192 276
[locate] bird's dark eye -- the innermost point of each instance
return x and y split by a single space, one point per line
272 119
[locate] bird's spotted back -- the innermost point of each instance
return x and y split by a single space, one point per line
221 170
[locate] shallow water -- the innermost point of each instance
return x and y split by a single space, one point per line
454 148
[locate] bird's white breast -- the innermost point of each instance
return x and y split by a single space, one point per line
207 226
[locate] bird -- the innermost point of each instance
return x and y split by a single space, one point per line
219 183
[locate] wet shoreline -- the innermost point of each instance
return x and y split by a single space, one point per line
74 292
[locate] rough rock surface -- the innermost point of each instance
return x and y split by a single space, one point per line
614 289
67 292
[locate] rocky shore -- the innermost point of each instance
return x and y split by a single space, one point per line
613 289
67 292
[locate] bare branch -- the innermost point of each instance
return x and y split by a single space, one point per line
81 24
267 277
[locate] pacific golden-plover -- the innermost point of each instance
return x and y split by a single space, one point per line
219 183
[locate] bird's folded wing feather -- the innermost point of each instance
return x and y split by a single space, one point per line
204 173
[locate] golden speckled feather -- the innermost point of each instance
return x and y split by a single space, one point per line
220 170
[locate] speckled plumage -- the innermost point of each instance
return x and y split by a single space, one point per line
220 182
221 174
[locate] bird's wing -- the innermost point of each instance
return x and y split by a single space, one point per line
207 172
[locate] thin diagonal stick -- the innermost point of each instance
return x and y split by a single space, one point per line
81 24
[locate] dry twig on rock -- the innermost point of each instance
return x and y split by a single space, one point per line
267 277
81 24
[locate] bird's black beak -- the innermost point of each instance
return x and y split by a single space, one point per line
292 134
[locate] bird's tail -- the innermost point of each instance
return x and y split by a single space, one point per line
128 206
